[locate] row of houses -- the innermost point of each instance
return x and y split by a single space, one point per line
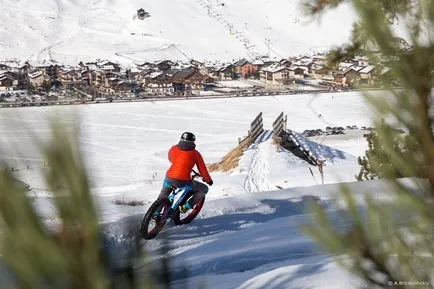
285 71
169 77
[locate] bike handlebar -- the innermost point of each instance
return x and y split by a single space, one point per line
195 174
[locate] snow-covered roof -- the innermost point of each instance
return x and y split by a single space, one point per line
224 67
385 70
3 77
319 57
367 69
92 66
107 67
154 74
345 64
258 62
44 63
35 74
103 63
67 71
294 67
241 62
357 68
273 68
135 70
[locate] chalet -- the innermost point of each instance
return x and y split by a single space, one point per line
124 85
37 77
267 61
342 66
212 71
20 79
70 77
108 66
164 65
112 79
90 66
297 72
244 68
353 74
51 69
189 78
226 72
146 66
360 61
6 82
274 74
15 66
97 78
258 63
23 68
367 72
159 79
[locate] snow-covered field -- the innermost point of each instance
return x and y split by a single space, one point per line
73 30
247 233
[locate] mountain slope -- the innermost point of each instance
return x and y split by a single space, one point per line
74 30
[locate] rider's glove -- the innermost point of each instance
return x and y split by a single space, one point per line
210 182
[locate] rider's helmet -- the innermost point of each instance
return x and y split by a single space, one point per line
188 136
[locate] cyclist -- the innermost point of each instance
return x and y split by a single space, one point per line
183 158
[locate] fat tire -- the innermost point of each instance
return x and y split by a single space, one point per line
196 210
145 223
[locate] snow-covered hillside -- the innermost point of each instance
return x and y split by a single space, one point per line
247 235
73 30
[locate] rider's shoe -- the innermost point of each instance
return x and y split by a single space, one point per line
184 208
156 216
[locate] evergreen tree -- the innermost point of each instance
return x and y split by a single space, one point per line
74 257
393 243
377 163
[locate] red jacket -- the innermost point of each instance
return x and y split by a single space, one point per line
183 163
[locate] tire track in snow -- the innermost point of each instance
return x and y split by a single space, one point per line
257 175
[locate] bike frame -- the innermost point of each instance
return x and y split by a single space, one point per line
178 195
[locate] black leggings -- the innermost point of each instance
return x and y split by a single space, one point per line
199 189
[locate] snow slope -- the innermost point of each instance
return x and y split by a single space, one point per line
247 234
254 240
126 144
70 31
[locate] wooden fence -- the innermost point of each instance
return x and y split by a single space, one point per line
279 125
256 128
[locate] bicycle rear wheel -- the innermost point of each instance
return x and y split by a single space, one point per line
182 219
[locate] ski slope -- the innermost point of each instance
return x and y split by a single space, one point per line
71 31
247 235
